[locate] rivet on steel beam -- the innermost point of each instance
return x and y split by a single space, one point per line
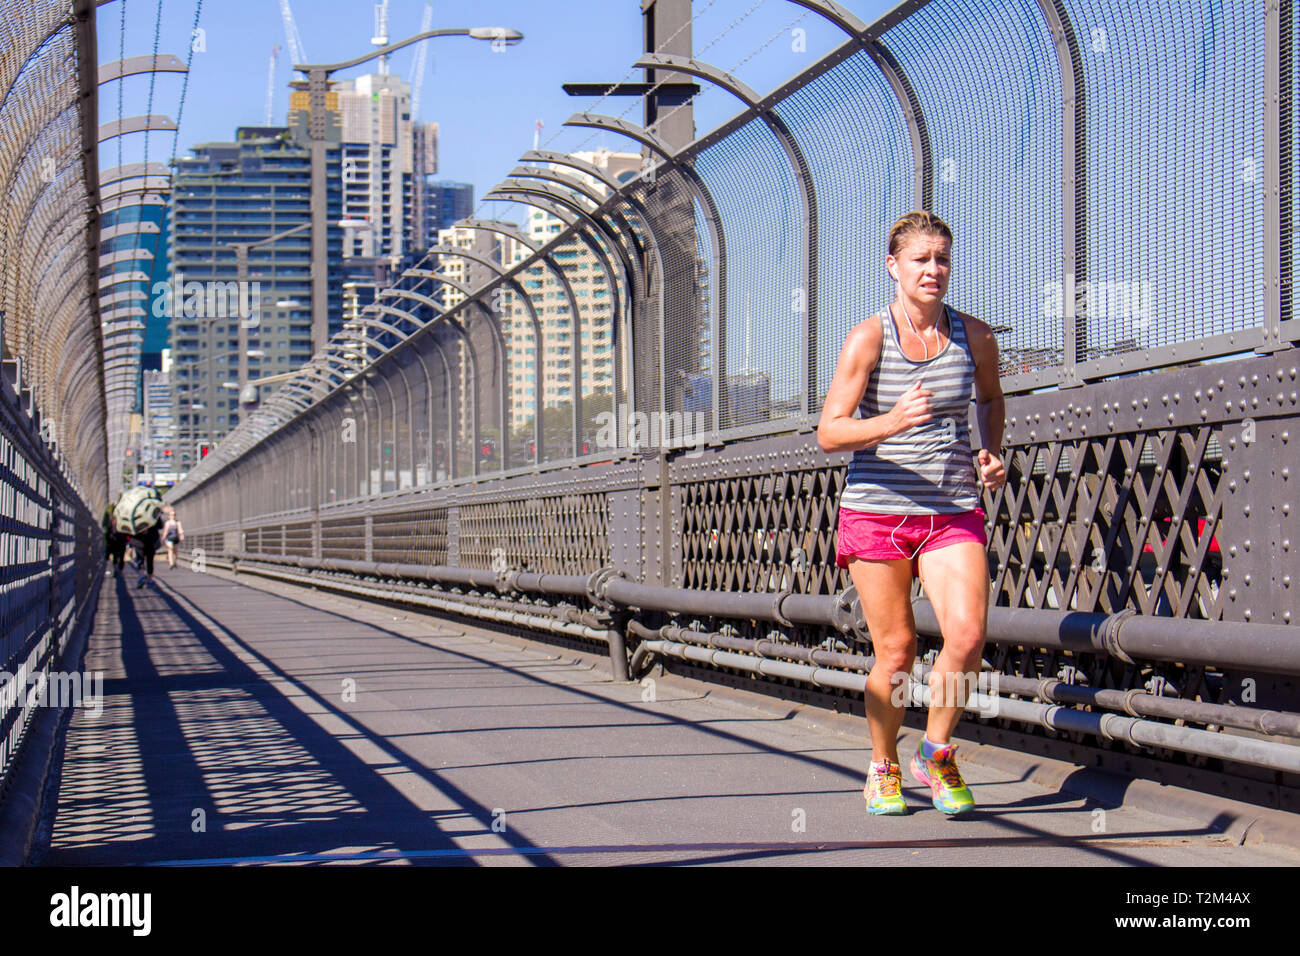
1165 398
1220 383
1246 474
1246 614
1232 593
1254 380
1242 381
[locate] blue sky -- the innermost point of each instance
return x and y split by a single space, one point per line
487 103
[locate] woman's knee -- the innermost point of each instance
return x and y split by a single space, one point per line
894 652
965 638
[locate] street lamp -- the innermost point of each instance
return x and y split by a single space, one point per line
241 275
318 75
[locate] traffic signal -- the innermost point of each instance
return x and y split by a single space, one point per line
487 449
204 448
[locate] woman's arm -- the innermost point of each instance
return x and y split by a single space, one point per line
838 430
991 405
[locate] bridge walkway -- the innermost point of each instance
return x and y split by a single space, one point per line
247 721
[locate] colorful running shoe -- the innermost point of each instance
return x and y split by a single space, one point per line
884 789
941 775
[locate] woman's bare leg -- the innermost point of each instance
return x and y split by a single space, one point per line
885 591
956 581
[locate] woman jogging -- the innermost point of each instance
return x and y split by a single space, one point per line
172 533
910 505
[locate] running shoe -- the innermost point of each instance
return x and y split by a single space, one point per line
142 582
884 789
941 775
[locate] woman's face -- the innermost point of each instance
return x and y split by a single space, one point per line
922 267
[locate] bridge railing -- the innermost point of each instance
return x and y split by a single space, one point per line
52 417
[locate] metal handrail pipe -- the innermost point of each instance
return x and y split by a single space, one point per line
1267 648
610 637
797 608
1134 703
759 647
1271 648
1247 750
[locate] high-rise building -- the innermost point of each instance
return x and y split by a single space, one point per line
449 202
244 191
387 159
159 451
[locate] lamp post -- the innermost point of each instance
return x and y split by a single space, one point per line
318 75
209 389
241 275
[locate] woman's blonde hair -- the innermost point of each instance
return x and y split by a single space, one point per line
917 222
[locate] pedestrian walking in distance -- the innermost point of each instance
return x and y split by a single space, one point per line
172 534
911 500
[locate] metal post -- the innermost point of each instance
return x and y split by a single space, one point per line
1272 230
1073 186
317 86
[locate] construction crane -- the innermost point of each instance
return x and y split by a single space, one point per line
270 82
417 71
381 33
296 52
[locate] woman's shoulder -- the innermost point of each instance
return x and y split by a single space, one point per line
867 334
979 334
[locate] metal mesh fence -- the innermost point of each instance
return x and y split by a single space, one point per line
859 154
987 82
757 195
46 312
1175 170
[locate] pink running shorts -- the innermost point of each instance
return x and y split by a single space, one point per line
894 537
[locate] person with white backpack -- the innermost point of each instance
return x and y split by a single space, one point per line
139 515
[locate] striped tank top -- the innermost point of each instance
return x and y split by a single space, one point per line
927 469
